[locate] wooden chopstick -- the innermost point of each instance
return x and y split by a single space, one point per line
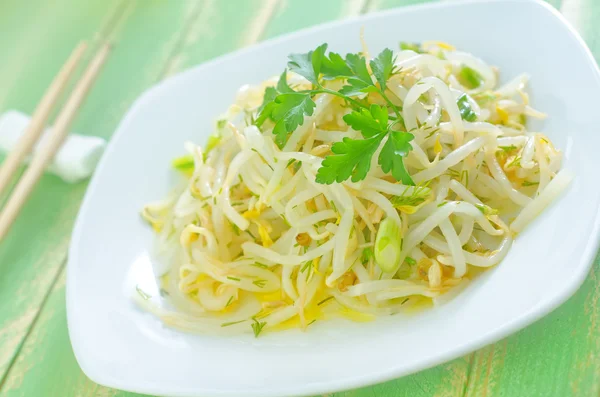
59 131
39 118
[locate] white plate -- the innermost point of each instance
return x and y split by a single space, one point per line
120 346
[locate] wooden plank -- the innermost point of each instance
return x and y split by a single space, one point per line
446 380
306 16
558 355
26 274
219 28
46 366
273 18
32 254
385 4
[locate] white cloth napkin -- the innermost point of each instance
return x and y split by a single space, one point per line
75 160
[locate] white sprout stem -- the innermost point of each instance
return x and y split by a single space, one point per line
258 251
460 266
535 207
527 154
466 230
446 98
340 241
419 232
251 222
382 202
224 201
450 160
499 175
473 259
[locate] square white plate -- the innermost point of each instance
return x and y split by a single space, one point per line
120 346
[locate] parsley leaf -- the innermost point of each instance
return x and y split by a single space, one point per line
287 111
270 95
360 81
352 157
334 67
369 122
282 85
466 111
272 92
383 67
392 155
308 65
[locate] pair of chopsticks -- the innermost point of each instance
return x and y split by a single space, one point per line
55 138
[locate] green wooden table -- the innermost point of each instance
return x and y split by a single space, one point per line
557 356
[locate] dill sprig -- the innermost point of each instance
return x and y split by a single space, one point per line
257 326
260 283
419 195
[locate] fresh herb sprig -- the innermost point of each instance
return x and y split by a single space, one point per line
351 158
418 196
257 326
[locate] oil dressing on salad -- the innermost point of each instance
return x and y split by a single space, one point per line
351 186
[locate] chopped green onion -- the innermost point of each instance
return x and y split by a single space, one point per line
527 183
469 77
466 111
233 278
410 261
387 245
184 163
416 47
213 142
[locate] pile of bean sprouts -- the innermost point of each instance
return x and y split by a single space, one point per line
253 242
